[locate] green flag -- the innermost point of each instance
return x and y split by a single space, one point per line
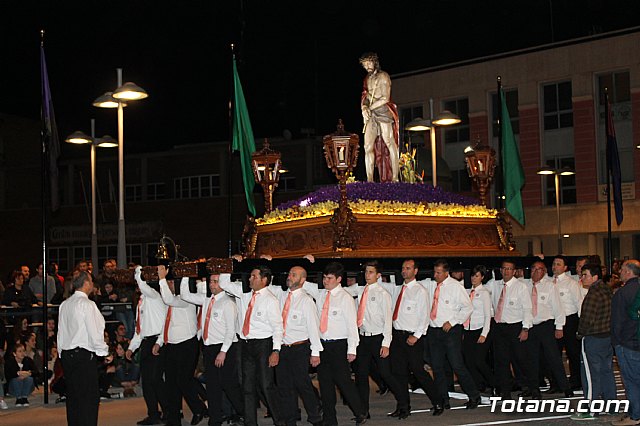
243 138
512 171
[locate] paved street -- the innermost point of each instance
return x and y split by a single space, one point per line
121 412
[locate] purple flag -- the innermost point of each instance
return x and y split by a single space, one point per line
49 132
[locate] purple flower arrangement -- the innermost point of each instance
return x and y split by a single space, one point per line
389 191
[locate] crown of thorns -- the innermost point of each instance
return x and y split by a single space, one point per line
369 56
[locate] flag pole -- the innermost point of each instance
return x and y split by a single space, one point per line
44 202
230 154
608 155
500 174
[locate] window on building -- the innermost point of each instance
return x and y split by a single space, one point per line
458 132
156 191
108 252
132 193
567 183
408 113
558 105
134 254
81 253
287 183
60 255
461 180
203 186
618 86
512 105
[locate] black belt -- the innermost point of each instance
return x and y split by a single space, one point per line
301 342
332 340
404 331
364 334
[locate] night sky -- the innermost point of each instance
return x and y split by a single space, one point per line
298 60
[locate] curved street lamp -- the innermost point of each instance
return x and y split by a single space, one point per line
565 171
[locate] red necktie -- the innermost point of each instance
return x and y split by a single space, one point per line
500 308
247 317
363 305
207 319
434 307
396 311
285 313
534 300
324 317
138 316
167 322
471 296
199 317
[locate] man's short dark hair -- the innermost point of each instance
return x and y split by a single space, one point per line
593 268
375 265
509 260
442 263
79 281
415 263
265 272
334 268
581 258
479 268
561 257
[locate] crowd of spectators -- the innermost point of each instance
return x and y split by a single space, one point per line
22 331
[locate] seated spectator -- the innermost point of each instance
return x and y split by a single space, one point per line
121 334
19 370
17 294
58 383
106 370
107 294
31 351
20 330
52 332
36 284
127 371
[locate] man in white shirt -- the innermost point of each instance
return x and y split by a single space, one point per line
301 347
339 336
410 318
374 319
548 322
511 302
218 326
80 340
260 339
450 308
181 346
151 313
571 296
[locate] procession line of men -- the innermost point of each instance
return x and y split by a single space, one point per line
281 333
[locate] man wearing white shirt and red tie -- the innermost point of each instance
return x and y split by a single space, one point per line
571 296
339 336
260 339
218 325
181 345
511 302
548 322
410 318
80 341
151 313
374 320
301 347
450 308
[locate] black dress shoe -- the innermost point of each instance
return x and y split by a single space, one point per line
446 405
150 421
437 410
525 394
395 413
568 394
553 390
360 420
403 414
473 403
197 418
505 395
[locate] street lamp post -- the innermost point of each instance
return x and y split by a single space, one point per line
445 118
124 93
565 171
106 141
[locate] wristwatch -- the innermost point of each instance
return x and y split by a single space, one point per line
276 351
525 329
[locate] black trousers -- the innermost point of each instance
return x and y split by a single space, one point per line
258 376
407 359
368 352
223 379
508 349
542 336
572 345
181 360
151 371
292 374
334 370
448 346
475 358
83 397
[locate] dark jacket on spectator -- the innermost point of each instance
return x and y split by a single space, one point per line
595 316
623 328
11 367
24 297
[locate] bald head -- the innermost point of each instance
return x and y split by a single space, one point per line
296 278
630 269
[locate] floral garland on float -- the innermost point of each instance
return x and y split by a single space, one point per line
389 198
